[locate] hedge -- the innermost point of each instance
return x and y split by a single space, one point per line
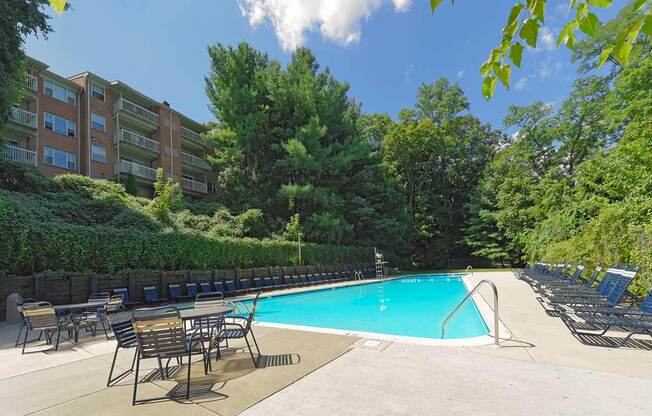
56 246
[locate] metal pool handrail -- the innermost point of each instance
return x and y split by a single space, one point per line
459 306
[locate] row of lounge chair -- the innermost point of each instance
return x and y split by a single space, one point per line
591 306
188 291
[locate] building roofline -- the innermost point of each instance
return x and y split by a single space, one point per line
56 77
35 62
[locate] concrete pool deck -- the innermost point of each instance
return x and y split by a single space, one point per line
541 370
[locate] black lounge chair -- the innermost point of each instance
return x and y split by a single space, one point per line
175 293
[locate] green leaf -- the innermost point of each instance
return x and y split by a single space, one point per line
515 53
604 55
590 24
539 10
503 73
434 4
515 13
58 5
486 66
566 32
639 5
622 51
488 86
647 25
529 32
600 3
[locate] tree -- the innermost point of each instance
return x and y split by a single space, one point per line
167 198
526 18
130 186
18 20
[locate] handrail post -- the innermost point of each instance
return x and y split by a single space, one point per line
459 306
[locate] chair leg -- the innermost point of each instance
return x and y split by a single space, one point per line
133 399
251 352
115 355
25 340
106 333
20 331
188 380
255 342
56 346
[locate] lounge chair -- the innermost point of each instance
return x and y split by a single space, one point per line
268 282
230 287
239 330
191 289
126 299
571 281
205 287
245 286
574 288
151 295
175 293
219 286
160 334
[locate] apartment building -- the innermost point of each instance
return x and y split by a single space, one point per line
105 129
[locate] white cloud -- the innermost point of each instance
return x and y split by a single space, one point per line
408 72
549 67
545 42
521 84
460 73
336 20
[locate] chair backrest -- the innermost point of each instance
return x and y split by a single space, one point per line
646 305
191 288
39 315
244 284
252 311
230 286
618 289
151 295
124 332
175 290
219 286
159 331
115 303
277 281
209 299
205 287
124 292
594 275
268 281
99 297
578 273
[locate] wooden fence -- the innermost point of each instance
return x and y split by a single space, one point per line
76 287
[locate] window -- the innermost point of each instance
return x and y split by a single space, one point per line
98 153
98 122
61 93
60 125
60 159
190 178
97 92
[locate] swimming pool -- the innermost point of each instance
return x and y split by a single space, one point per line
413 306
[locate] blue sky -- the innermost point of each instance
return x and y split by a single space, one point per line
159 47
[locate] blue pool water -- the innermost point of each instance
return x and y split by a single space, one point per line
412 306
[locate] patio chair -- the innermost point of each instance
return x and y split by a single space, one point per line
572 280
259 282
40 316
219 286
125 337
269 283
278 283
230 287
602 289
613 292
205 287
644 309
19 306
175 293
576 287
244 286
126 299
151 295
240 330
191 288
160 334
92 316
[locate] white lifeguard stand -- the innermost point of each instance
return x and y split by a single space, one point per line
380 264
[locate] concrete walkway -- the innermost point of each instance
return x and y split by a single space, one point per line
541 370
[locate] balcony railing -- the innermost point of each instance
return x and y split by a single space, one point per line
137 170
137 139
18 154
186 133
136 110
195 186
194 160
31 82
24 117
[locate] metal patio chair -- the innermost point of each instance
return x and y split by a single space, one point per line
40 316
236 330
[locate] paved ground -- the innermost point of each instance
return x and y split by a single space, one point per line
541 370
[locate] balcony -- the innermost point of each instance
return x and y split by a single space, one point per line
137 170
128 136
24 117
195 161
18 154
194 137
31 82
136 110
195 186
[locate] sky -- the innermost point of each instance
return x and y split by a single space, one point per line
385 49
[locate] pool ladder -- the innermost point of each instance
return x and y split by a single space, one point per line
358 275
459 306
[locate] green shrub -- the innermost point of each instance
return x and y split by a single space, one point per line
20 177
252 224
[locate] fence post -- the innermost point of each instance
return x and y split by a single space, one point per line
38 286
94 284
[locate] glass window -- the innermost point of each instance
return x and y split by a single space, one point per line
98 122
60 125
98 153
59 92
97 92
60 159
